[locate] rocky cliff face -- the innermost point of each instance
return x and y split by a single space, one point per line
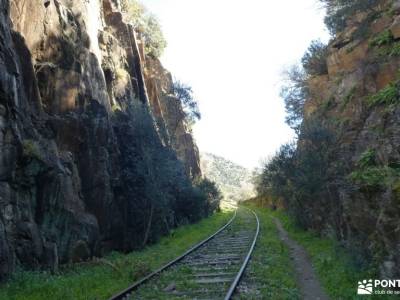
71 74
169 114
358 100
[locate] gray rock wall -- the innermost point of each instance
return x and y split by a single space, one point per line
66 68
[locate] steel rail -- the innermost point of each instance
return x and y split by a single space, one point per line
245 262
124 293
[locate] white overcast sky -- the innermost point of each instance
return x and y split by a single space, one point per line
233 54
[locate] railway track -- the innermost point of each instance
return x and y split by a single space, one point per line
210 270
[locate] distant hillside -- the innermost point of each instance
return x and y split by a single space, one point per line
233 179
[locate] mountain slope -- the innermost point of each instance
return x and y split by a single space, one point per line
233 179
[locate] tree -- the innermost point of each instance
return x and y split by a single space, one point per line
314 60
147 25
184 94
338 12
212 193
294 93
155 42
134 11
154 190
299 175
273 180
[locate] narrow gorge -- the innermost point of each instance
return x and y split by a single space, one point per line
104 193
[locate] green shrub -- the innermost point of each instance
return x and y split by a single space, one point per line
297 174
116 107
374 177
384 38
386 96
314 60
212 194
338 11
389 50
394 50
30 149
328 104
370 175
155 42
295 89
385 45
294 93
184 94
146 24
134 10
348 98
367 159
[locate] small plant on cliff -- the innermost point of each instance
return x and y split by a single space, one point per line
348 97
367 159
328 104
373 178
30 149
314 60
121 82
147 25
370 176
184 93
116 107
385 45
395 49
384 38
386 96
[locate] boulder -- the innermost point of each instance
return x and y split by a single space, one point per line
347 59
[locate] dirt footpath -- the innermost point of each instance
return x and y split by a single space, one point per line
307 280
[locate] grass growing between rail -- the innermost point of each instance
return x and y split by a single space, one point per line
102 278
334 266
270 274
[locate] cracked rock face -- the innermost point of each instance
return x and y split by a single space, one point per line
64 66
364 219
